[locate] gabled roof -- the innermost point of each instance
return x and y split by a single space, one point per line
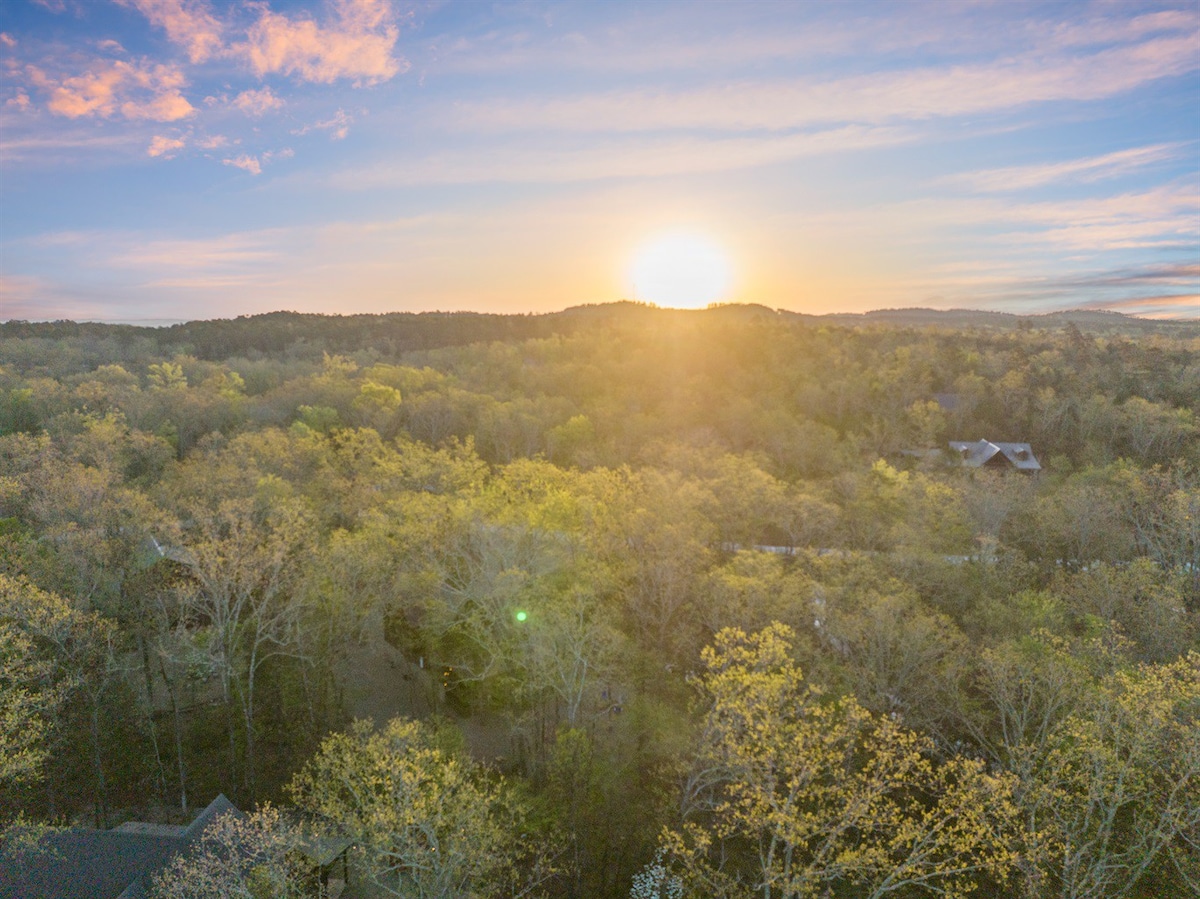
81 864
99 864
219 806
984 452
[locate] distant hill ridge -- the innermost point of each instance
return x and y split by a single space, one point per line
403 331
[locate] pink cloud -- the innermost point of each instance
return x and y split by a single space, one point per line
254 164
29 298
215 142
189 23
338 126
1170 306
7 40
356 44
164 146
138 90
246 163
257 103
20 101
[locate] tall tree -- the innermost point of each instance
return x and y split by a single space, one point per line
813 795
428 822
244 555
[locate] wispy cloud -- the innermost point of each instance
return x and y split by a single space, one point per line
1171 306
1164 216
52 147
1109 29
30 298
915 94
1177 274
189 255
1159 217
1087 170
616 159
338 126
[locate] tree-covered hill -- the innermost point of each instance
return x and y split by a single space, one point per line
685 603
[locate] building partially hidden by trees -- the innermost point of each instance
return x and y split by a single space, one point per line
985 453
102 864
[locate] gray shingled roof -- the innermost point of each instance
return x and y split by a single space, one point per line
81 864
985 452
98 864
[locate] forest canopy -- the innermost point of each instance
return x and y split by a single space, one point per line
618 601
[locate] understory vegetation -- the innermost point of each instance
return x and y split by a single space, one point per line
642 603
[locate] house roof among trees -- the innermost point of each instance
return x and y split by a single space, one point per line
98 864
985 452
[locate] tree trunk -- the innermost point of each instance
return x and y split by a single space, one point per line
101 787
183 798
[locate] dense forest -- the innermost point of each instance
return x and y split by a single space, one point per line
617 602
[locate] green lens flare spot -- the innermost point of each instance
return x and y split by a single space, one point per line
521 616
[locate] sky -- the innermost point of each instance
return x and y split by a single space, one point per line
166 160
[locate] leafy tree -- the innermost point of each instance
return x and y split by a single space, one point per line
167 376
1119 782
52 653
27 707
238 856
428 822
244 555
809 795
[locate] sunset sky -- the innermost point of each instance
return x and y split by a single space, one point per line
178 159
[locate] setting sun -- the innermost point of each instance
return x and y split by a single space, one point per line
681 270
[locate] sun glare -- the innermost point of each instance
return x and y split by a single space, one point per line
683 271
